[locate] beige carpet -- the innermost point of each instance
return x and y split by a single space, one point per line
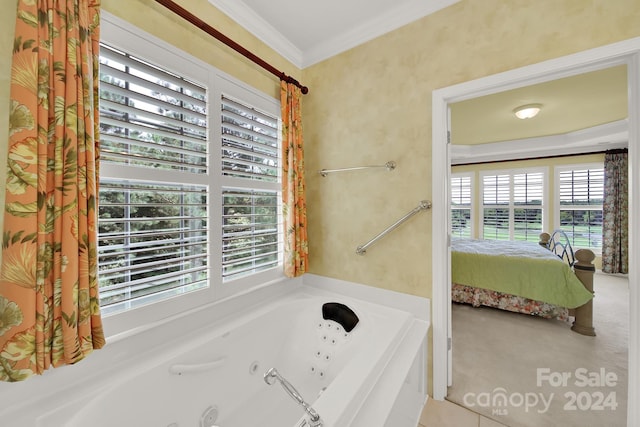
525 371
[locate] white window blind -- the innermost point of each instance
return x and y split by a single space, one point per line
461 206
249 232
512 205
150 117
581 193
249 142
496 193
251 191
528 191
154 194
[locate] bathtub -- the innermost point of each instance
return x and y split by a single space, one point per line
213 376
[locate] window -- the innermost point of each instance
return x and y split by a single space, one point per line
512 205
461 218
189 179
579 200
250 156
153 234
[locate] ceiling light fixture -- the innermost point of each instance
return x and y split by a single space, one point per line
527 111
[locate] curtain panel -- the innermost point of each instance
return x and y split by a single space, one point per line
615 213
296 247
49 308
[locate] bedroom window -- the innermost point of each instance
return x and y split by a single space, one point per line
512 205
579 200
461 218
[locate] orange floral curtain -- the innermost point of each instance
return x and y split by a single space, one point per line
296 248
49 310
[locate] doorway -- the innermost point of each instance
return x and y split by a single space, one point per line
623 53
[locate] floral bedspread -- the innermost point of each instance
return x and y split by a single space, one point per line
478 297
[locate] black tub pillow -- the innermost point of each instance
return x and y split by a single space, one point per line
340 313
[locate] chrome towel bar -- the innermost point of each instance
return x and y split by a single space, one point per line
424 205
391 165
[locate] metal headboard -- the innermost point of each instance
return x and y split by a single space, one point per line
560 245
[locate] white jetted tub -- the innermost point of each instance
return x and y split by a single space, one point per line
348 374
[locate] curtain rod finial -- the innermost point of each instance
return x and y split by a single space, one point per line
289 79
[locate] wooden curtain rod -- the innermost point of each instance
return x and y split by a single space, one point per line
183 13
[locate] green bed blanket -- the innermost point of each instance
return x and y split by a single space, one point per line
524 269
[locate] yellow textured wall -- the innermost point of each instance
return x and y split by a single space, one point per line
372 104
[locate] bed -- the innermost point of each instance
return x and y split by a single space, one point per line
523 277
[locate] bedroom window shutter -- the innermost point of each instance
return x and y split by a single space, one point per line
461 206
251 218
512 205
528 189
154 190
495 201
581 194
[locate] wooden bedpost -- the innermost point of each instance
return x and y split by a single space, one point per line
584 269
545 238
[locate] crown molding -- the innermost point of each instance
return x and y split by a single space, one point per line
598 138
252 22
402 15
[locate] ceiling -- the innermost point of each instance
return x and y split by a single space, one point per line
582 113
306 32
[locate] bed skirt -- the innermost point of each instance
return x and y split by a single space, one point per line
484 297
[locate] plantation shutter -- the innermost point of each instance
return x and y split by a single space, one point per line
251 220
495 201
461 206
513 205
150 117
581 194
154 190
582 187
528 189
249 143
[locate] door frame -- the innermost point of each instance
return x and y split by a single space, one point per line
622 53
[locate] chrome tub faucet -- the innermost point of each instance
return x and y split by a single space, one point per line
272 375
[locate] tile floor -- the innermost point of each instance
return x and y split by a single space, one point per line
448 414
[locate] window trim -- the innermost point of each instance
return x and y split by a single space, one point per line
123 35
511 206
